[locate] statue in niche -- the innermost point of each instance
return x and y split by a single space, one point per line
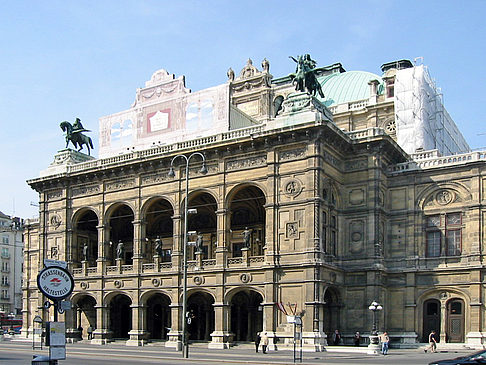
304 78
120 250
158 247
199 243
85 252
246 238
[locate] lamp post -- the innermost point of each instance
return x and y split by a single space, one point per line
185 345
374 307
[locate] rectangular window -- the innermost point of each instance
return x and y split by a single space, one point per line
453 238
433 244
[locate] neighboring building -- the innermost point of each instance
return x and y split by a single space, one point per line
11 264
347 200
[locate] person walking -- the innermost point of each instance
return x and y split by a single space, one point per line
257 341
357 338
385 341
264 340
432 343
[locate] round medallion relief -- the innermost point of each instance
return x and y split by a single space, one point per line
198 280
444 197
292 188
84 285
245 278
118 283
155 282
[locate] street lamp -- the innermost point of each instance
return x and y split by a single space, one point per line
374 307
204 170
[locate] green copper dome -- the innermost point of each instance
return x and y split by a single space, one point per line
348 86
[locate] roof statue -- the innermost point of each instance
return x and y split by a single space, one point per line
75 135
304 77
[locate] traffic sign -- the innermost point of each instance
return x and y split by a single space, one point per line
55 282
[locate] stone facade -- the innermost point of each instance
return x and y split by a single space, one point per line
337 219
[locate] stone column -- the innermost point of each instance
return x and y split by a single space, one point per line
137 245
222 238
175 332
102 335
443 319
101 260
138 334
178 241
221 338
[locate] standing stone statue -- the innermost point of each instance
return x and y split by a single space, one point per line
120 250
85 252
231 75
199 243
158 247
246 237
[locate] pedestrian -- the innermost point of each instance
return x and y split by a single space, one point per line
264 340
336 338
385 341
257 341
357 338
90 333
432 342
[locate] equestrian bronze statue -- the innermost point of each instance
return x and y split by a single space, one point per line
75 136
304 78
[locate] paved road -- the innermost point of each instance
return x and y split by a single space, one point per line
20 353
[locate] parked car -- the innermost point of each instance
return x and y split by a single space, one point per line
475 358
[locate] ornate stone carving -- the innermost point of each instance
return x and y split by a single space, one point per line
356 165
86 190
120 184
155 178
198 280
118 284
156 282
292 230
444 197
245 278
253 161
55 194
295 154
55 221
292 188
84 285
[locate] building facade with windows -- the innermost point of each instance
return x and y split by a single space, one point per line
345 200
11 264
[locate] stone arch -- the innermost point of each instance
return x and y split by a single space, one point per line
331 298
120 315
158 314
200 308
443 295
246 218
157 215
83 314
119 221
84 245
246 313
144 296
427 194
203 222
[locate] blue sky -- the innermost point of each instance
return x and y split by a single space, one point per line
65 59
